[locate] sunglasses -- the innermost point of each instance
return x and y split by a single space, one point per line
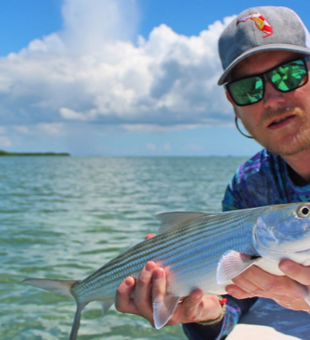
284 78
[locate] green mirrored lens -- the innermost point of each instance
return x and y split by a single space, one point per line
247 91
285 78
289 76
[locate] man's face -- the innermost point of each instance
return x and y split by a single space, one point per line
280 121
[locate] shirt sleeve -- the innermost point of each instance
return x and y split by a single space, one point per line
237 195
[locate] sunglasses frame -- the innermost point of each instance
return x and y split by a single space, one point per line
264 77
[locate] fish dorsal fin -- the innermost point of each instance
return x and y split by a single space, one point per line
163 309
177 219
232 264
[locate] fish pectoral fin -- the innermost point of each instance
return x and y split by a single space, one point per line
307 297
106 304
233 263
304 293
177 219
163 309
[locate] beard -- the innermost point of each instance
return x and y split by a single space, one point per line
286 143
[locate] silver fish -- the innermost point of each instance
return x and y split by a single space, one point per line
201 250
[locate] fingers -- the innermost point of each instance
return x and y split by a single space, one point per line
134 296
238 292
149 236
159 284
256 282
296 271
195 308
193 300
245 286
191 305
123 301
143 291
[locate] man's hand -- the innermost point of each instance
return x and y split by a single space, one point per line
135 296
285 290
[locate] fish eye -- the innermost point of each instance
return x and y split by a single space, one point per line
303 211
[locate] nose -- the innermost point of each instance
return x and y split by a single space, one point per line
272 98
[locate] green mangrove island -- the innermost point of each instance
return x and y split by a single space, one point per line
5 153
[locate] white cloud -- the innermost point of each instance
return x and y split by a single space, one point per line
91 25
92 71
45 129
50 129
151 146
5 142
23 129
159 149
194 148
35 137
73 115
156 128
167 147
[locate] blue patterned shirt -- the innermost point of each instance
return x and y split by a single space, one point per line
265 179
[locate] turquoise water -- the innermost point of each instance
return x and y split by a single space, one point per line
64 217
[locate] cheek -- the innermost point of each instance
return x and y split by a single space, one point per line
301 97
240 112
250 115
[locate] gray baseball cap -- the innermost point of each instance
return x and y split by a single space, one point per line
261 29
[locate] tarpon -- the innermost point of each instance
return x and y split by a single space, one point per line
201 250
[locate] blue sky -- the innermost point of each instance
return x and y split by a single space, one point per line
118 77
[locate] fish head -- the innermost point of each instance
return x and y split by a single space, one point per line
283 231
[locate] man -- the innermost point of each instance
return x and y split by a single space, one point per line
264 53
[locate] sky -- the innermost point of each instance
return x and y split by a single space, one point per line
118 77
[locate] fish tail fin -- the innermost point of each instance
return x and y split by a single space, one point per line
62 287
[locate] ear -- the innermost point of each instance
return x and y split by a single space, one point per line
232 103
228 96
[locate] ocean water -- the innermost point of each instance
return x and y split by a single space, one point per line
64 217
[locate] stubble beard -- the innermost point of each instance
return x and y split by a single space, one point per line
291 145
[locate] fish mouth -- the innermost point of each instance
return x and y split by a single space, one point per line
295 247
301 251
284 249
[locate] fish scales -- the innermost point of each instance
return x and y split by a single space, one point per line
134 261
192 264
153 251
164 248
157 245
182 237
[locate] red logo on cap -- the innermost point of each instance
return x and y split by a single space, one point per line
260 22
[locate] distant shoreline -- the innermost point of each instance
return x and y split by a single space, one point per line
5 153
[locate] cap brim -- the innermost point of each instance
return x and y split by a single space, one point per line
270 47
